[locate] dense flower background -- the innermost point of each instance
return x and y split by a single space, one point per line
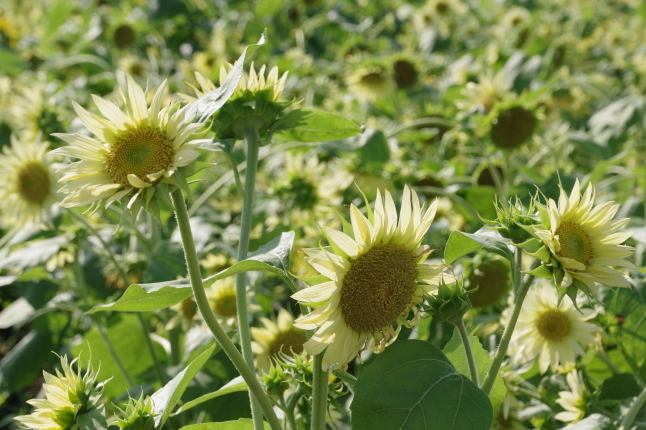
468 103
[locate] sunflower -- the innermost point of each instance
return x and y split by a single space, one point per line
584 241
135 153
376 275
279 336
222 299
489 90
254 103
27 182
369 83
555 334
67 395
574 401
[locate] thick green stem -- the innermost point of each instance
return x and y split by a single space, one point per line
520 292
151 350
319 393
627 423
207 313
291 406
518 263
253 144
459 323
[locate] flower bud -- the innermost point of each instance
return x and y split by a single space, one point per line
450 301
139 415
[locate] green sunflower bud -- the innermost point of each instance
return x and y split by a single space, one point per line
138 414
449 303
275 380
514 221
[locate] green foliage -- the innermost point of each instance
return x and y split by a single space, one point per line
235 385
461 244
413 385
311 125
454 351
241 424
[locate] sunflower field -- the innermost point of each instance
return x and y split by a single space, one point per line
319 214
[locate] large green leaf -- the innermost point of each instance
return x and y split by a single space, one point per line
454 351
241 424
272 257
412 385
127 338
166 398
461 244
310 125
93 420
235 385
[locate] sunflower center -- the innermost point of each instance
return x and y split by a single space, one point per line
575 243
491 283
288 341
34 184
225 306
378 287
554 325
140 152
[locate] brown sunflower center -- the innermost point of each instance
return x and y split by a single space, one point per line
554 325
378 287
141 152
491 283
575 242
225 306
34 184
288 341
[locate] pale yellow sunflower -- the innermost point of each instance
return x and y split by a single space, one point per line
275 337
27 182
552 333
489 90
135 153
574 401
584 241
67 395
370 83
377 278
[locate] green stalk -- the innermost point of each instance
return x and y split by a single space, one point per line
319 393
521 293
203 305
518 263
627 423
253 145
144 327
459 323
291 405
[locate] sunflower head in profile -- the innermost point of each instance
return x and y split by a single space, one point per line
277 337
377 277
254 104
582 242
27 182
68 394
574 401
548 332
137 155
489 90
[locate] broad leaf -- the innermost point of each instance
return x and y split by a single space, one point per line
619 387
412 385
461 244
310 125
272 257
212 101
166 398
93 420
241 424
454 351
235 385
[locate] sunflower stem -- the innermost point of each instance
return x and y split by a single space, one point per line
521 293
253 146
144 327
319 394
459 323
205 309
632 412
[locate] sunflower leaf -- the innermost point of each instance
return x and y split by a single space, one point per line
272 257
413 385
235 385
454 351
310 125
241 424
461 244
